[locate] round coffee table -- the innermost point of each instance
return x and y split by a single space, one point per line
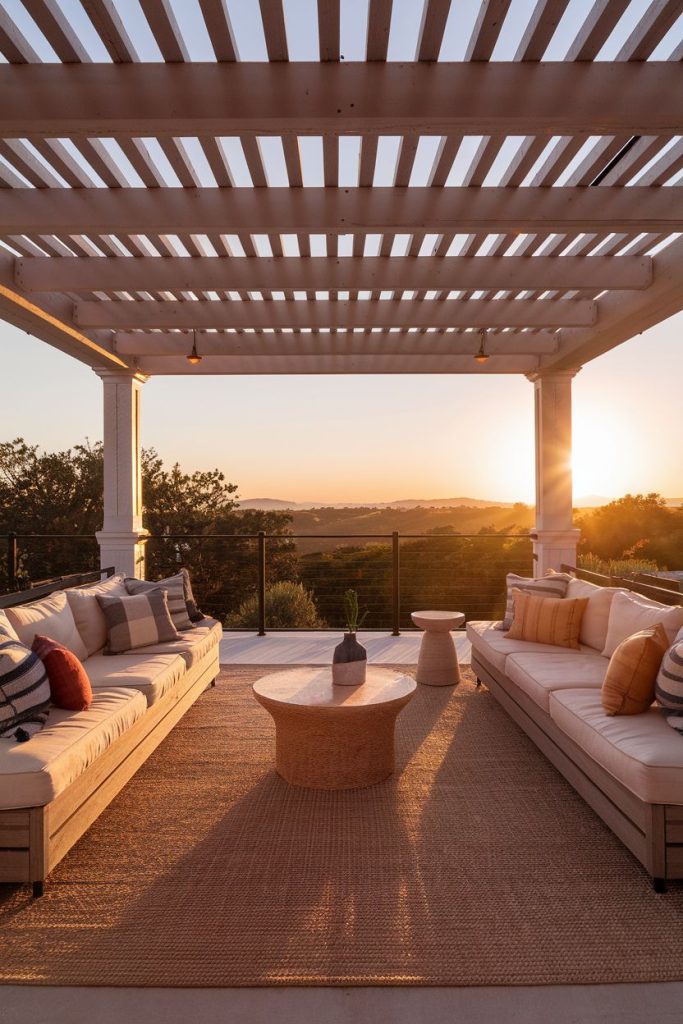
438 661
334 737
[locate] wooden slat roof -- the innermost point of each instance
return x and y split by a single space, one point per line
354 188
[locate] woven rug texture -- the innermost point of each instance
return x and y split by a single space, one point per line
475 864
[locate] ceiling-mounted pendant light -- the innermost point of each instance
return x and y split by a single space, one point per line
482 356
194 356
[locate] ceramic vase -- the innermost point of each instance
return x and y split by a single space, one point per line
349 662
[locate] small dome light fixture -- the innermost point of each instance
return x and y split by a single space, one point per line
194 356
481 356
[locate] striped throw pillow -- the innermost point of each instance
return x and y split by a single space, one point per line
137 621
24 690
669 685
554 585
175 590
547 620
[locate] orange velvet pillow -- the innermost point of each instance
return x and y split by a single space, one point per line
547 620
69 684
629 684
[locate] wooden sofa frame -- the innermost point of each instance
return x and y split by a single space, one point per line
652 832
33 840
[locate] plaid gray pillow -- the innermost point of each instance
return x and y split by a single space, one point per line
175 591
554 585
137 621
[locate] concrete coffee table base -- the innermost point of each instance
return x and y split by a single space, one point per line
438 661
333 737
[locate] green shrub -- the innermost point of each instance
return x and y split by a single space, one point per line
288 606
616 566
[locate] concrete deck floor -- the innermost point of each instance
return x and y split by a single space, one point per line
559 1004
315 648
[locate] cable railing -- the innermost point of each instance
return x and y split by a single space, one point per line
284 581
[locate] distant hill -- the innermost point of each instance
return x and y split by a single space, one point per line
280 504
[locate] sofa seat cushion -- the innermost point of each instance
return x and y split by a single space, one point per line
640 751
34 773
496 646
537 675
195 644
151 674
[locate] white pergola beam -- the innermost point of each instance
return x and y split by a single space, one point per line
189 99
51 320
368 273
322 314
141 345
339 211
335 364
624 316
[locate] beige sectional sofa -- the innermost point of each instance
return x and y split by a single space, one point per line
56 784
629 769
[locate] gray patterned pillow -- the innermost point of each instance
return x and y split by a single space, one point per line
669 685
175 591
24 690
554 585
137 621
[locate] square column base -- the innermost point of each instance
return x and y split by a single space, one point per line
124 550
554 548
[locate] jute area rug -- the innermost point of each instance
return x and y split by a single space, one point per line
476 864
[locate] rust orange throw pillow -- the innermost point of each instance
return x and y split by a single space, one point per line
547 620
629 685
69 684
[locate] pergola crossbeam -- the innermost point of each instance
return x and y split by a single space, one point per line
136 344
324 314
229 98
372 273
339 211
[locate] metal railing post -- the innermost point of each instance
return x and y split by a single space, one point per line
261 583
395 585
12 561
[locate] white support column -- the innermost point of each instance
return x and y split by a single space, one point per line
121 538
554 536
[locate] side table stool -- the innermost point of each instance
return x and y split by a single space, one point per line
438 661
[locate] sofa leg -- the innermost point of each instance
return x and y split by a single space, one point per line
213 681
38 889
659 884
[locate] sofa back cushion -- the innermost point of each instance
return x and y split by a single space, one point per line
553 585
596 616
629 684
24 689
175 592
70 687
630 613
88 615
669 685
137 621
51 616
547 620
7 625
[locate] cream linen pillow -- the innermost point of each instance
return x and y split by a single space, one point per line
596 616
88 616
50 617
630 613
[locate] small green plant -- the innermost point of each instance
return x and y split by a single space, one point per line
353 623
616 566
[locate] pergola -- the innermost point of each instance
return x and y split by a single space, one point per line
170 177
